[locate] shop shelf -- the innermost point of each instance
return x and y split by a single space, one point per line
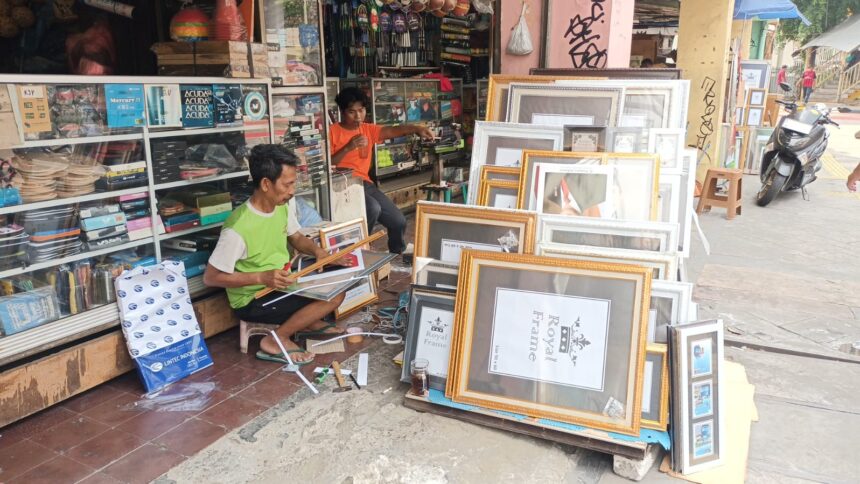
57 202
42 143
170 235
74 258
206 179
204 131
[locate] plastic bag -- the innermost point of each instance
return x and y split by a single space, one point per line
483 6
521 42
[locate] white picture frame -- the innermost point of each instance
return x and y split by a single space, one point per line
670 306
669 199
664 266
614 234
687 209
637 178
754 115
575 190
668 143
529 134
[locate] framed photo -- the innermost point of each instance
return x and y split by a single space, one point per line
668 143
584 232
754 116
431 324
698 424
562 105
584 138
669 198
662 266
626 140
535 336
342 235
528 180
500 173
757 97
502 144
670 306
575 190
436 274
442 231
755 74
655 388
636 179
688 190
498 194
497 91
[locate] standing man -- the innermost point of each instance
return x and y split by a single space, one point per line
782 75
808 83
351 143
252 255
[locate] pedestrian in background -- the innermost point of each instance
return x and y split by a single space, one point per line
808 83
782 75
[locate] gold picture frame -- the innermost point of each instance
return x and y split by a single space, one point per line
653 352
497 91
443 230
486 187
500 173
486 368
365 292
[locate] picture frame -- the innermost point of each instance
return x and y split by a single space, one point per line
498 194
585 232
648 104
668 143
755 74
502 144
663 266
575 190
496 362
442 231
668 199
497 91
436 274
754 116
757 97
686 206
669 306
584 138
528 186
696 353
560 105
342 235
637 180
626 140
655 388
500 173
739 115
428 334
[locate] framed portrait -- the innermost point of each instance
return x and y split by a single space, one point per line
342 235
754 116
636 179
436 274
585 138
498 194
497 91
757 97
669 198
755 74
563 105
502 144
528 180
500 173
588 232
670 306
428 335
443 230
662 266
668 143
698 424
575 190
655 388
626 140
535 336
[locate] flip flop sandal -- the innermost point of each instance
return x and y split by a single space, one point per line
279 358
318 332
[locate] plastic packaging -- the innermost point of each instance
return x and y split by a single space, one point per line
521 42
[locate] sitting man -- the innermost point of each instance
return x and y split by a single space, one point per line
252 254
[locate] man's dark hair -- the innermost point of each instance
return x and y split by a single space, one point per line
268 161
785 67
350 95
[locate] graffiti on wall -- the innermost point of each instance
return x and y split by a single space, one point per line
585 39
706 120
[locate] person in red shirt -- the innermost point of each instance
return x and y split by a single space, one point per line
808 83
351 143
782 74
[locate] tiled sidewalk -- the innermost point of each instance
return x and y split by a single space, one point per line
96 438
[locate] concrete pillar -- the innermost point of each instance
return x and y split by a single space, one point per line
703 45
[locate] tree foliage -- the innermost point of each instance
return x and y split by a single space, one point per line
824 15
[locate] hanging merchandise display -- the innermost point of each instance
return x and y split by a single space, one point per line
521 42
189 25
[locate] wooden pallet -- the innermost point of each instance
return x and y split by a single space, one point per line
587 439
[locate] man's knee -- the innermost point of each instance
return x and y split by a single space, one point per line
372 209
397 222
338 300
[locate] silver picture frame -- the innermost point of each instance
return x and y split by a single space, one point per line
663 266
564 105
428 335
668 143
436 274
669 199
585 232
670 306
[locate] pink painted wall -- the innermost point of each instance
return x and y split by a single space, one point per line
620 33
510 16
590 22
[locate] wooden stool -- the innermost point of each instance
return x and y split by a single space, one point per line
731 202
246 330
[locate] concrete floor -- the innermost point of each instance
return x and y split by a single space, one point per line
785 280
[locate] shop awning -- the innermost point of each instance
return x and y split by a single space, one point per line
767 10
844 37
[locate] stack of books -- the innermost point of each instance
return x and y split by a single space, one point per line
126 175
103 226
137 215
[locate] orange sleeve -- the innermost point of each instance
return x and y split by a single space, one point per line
374 131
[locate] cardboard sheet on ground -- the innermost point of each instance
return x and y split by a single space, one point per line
740 412
330 347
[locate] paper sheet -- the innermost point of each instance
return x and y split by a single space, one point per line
330 347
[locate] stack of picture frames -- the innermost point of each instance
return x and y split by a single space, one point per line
552 297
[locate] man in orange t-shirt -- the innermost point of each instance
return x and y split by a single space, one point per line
351 143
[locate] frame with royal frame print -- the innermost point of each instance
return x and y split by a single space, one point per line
431 324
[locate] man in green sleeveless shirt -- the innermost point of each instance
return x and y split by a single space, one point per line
252 254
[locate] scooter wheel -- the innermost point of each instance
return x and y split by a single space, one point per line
773 184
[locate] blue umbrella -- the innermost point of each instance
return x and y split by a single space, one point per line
767 10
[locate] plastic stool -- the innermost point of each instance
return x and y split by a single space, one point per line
732 201
246 330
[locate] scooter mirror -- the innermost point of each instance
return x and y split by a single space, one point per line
785 86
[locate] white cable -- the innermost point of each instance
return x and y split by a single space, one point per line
387 338
290 360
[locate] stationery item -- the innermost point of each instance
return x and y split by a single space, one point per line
197 107
124 103
33 106
100 222
163 105
228 104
